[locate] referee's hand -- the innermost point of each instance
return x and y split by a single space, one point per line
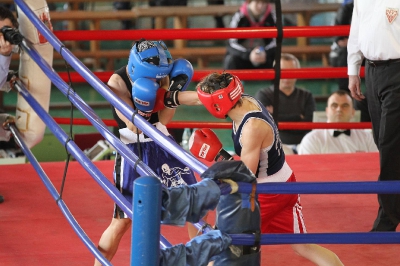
355 88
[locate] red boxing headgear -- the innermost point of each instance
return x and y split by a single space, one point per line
221 101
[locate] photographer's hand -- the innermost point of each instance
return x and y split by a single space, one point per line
5 46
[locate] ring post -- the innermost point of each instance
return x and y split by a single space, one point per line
146 218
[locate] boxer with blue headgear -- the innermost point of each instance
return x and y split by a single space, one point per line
143 84
149 59
149 63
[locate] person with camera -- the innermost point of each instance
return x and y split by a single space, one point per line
8 22
8 25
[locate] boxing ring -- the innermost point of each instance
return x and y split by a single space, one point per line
359 187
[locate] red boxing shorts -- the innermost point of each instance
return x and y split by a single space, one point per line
281 213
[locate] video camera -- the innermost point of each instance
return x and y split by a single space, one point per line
12 35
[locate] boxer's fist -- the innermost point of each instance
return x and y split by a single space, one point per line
167 99
180 75
205 144
144 92
159 104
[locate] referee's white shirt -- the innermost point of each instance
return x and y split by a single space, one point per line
374 32
322 141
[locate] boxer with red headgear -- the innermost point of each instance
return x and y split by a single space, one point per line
220 93
256 140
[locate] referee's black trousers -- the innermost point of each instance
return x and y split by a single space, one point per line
383 94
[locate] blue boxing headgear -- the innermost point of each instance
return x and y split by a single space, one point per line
149 59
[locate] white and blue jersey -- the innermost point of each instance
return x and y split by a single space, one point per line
272 166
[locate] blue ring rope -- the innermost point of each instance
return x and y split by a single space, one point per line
87 164
89 113
56 196
320 238
367 187
173 148
181 154
71 146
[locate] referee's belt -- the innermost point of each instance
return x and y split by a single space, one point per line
378 63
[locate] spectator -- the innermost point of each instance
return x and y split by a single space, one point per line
166 3
295 104
375 36
219 20
339 109
7 19
253 53
338 55
5 136
124 5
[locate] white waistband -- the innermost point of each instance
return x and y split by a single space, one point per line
281 176
127 136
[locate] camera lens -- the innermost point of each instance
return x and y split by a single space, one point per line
11 35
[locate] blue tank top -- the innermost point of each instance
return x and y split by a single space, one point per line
272 158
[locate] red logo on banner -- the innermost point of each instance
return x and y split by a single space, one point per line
391 14
45 18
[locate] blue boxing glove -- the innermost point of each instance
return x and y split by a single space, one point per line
180 75
144 93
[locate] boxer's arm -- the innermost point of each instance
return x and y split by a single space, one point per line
166 115
118 86
189 98
164 83
256 135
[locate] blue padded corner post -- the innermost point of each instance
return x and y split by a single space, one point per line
146 218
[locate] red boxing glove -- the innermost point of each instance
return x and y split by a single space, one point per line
159 103
205 144
164 99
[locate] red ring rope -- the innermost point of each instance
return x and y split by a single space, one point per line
202 34
261 74
226 125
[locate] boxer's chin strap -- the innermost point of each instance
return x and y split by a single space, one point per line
253 196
